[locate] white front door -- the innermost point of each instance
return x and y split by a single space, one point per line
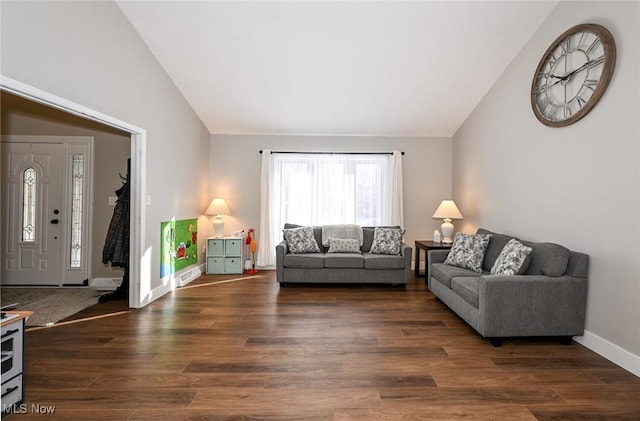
33 218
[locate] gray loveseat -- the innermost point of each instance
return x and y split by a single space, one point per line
324 267
548 299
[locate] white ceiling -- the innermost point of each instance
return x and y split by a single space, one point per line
335 67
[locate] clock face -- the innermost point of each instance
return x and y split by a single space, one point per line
572 75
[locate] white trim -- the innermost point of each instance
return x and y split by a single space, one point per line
610 351
140 259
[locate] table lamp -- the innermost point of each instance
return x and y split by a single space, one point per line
447 211
218 207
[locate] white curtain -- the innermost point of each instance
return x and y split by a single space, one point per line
267 239
317 189
397 198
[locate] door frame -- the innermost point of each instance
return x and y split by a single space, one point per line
139 258
69 144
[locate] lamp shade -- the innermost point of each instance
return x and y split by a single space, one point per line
218 207
447 209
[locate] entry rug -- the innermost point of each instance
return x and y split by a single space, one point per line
49 305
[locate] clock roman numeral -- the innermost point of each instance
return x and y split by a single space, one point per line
593 45
551 60
566 45
590 84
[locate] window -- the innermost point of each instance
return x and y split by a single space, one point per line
331 189
29 187
77 181
320 189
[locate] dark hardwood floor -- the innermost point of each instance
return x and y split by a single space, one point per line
249 350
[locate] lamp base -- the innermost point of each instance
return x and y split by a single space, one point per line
218 227
447 231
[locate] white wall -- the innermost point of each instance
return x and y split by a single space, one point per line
235 173
89 53
578 186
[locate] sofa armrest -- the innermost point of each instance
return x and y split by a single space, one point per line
407 253
433 256
281 250
532 305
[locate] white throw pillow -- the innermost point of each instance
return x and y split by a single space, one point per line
344 245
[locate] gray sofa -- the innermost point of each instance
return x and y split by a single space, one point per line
337 268
548 299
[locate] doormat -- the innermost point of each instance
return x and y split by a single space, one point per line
49 305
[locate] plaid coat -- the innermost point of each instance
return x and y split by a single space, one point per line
116 246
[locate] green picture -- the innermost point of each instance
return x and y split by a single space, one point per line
179 245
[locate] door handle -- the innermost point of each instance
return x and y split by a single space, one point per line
55 221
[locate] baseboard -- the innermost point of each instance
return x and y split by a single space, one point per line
610 351
172 282
105 284
188 275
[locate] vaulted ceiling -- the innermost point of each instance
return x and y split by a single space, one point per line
386 68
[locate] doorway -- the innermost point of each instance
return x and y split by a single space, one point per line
139 294
46 194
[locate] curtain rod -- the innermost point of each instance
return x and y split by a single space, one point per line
337 153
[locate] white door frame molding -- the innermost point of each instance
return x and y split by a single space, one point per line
139 260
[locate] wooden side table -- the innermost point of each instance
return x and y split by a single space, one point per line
426 246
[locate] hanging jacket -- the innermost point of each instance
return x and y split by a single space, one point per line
116 246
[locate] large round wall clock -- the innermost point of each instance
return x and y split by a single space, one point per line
573 74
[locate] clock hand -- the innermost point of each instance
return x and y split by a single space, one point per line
587 65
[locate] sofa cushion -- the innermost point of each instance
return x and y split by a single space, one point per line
301 240
443 273
344 260
310 260
547 259
513 259
494 248
386 241
383 261
344 245
468 251
468 289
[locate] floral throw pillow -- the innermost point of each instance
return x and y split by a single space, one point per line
511 258
344 245
301 240
386 241
468 251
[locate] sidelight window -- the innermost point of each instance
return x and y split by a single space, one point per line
29 196
77 182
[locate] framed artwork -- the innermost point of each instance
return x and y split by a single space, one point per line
178 245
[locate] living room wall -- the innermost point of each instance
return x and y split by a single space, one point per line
578 186
88 53
236 166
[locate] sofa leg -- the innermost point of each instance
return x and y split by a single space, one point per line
565 340
497 342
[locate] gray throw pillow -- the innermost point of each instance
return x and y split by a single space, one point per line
301 240
386 241
468 251
511 259
344 245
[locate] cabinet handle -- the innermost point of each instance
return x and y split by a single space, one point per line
10 332
9 390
